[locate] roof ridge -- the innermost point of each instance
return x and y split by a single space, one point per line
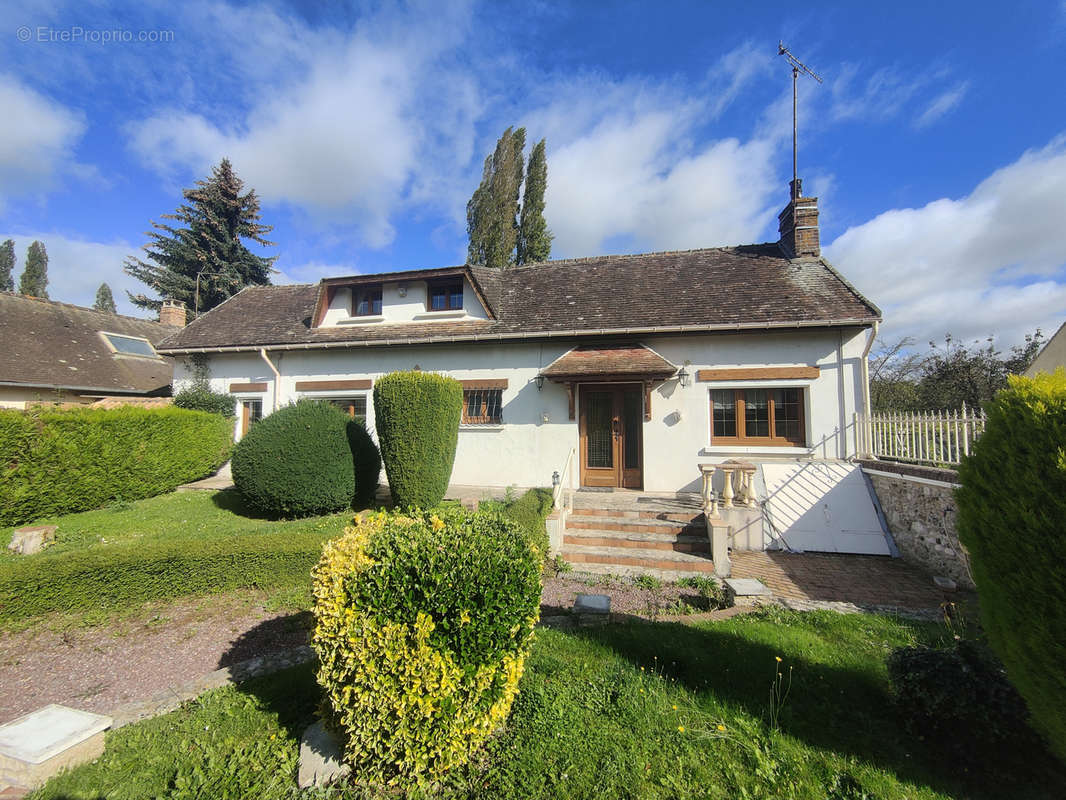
76 307
603 257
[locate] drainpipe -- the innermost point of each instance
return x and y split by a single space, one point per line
277 376
866 376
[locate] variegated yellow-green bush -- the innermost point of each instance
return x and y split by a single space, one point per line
422 626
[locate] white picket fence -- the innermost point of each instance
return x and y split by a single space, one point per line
931 437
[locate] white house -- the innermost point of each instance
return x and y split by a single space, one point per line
647 365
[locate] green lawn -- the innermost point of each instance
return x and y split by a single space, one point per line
655 710
175 516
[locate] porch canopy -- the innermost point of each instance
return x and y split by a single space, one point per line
622 363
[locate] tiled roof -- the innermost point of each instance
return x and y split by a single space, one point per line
57 345
609 359
753 286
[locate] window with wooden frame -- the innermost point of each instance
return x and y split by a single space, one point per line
251 413
366 301
482 406
771 417
354 406
445 295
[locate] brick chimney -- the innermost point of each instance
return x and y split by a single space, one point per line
172 312
798 224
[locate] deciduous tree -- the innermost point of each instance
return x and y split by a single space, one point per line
7 266
534 238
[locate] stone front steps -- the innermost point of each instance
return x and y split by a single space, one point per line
669 543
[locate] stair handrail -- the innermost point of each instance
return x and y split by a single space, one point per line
560 480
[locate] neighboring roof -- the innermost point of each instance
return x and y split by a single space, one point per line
616 360
54 345
1052 355
727 288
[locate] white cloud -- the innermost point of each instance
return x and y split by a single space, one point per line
38 139
993 262
366 124
942 104
77 267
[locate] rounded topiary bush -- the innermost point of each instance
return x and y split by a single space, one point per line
307 458
422 627
417 416
199 396
1012 520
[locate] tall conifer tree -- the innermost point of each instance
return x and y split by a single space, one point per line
534 238
105 301
208 241
492 213
7 266
34 280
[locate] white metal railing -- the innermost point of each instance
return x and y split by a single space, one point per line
931 437
563 482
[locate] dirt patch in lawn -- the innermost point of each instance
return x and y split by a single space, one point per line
98 668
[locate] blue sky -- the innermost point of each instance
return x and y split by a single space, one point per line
937 144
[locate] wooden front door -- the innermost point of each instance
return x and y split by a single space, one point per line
611 429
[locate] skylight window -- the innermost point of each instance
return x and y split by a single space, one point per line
130 345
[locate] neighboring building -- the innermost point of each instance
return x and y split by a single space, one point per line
60 353
1051 356
647 365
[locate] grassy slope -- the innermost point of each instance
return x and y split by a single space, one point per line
619 711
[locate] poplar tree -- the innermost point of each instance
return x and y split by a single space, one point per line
105 301
207 241
7 266
492 213
34 280
534 238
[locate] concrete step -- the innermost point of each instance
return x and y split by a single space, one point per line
632 524
634 561
680 515
681 543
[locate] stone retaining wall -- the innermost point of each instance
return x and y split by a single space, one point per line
919 506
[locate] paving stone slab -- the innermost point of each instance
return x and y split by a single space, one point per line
36 746
747 587
592 604
320 758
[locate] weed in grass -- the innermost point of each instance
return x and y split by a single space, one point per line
648 582
779 691
558 566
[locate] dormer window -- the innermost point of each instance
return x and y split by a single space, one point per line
367 301
446 296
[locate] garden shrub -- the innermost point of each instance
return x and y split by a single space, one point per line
959 700
417 416
304 459
422 627
199 396
58 461
1012 520
130 573
529 511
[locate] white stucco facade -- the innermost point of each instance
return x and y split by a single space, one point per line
537 433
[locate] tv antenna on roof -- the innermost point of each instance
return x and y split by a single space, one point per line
797 65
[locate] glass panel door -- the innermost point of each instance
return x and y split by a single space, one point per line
599 420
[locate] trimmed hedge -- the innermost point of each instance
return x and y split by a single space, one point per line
417 416
121 575
305 459
58 461
200 397
1012 520
422 626
530 512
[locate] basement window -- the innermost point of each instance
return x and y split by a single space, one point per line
758 417
129 345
